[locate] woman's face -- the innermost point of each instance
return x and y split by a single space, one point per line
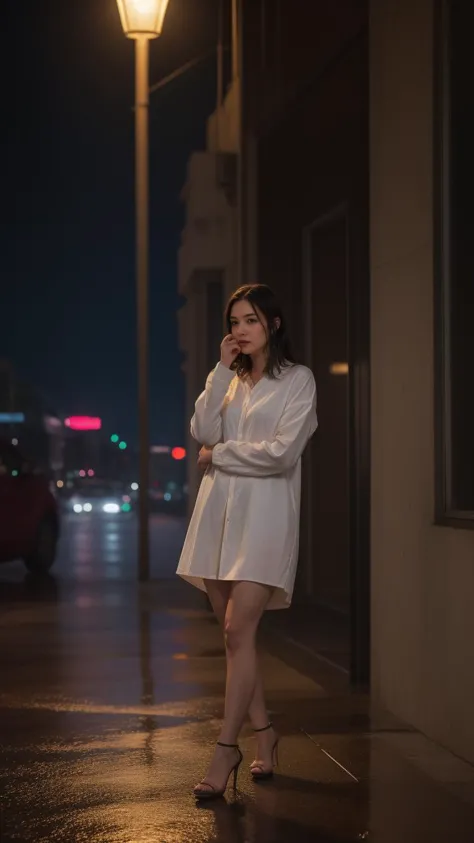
250 334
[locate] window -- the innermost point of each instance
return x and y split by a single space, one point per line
454 261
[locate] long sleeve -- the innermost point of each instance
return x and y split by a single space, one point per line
262 459
206 423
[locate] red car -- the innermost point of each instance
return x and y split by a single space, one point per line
29 521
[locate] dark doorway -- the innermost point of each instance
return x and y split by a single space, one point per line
337 571
329 349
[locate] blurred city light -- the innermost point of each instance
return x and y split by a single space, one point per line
12 418
111 507
15 442
60 484
52 423
83 423
178 453
134 487
122 446
82 473
114 438
87 507
91 472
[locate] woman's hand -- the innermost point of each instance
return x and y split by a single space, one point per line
230 349
205 458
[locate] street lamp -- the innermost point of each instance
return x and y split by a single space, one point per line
142 20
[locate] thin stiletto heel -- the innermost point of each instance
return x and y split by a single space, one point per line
214 793
258 772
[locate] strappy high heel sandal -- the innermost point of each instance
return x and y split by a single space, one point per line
210 791
258 772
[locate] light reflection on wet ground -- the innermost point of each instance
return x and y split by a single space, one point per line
110 696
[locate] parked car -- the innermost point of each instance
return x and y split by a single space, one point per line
96 496
29 520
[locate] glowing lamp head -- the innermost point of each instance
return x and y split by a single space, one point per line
142 18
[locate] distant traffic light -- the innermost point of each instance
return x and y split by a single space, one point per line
178 453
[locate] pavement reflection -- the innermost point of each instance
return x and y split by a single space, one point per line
110 700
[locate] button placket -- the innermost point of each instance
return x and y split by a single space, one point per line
230 498
242 417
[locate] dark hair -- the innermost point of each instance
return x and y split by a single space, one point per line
279 352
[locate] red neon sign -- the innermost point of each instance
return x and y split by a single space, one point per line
178 453
83 423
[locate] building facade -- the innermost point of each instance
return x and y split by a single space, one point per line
207 260
352 202
28 421
422 305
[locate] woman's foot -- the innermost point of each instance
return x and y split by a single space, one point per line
267 753
226 760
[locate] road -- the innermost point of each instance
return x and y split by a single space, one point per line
94 548
111 698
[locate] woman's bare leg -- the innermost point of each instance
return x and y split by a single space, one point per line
245 606
218 592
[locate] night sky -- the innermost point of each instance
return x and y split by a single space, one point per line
67 235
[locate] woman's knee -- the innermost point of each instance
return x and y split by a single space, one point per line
246 603
237 634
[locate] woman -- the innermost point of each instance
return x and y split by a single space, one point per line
253 420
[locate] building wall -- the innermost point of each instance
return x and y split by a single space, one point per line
422 574
310 130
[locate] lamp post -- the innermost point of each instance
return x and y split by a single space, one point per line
142 20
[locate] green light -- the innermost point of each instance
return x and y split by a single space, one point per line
122 446
14 473
114 438
126 507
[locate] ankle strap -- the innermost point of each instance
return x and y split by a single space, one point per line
231 745
264 729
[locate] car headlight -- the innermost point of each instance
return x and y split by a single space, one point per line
77 507
87 507
111 507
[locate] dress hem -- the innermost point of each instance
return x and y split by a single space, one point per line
284 601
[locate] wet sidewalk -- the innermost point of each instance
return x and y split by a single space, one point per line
110 699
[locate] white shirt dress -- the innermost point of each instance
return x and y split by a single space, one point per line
245 524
